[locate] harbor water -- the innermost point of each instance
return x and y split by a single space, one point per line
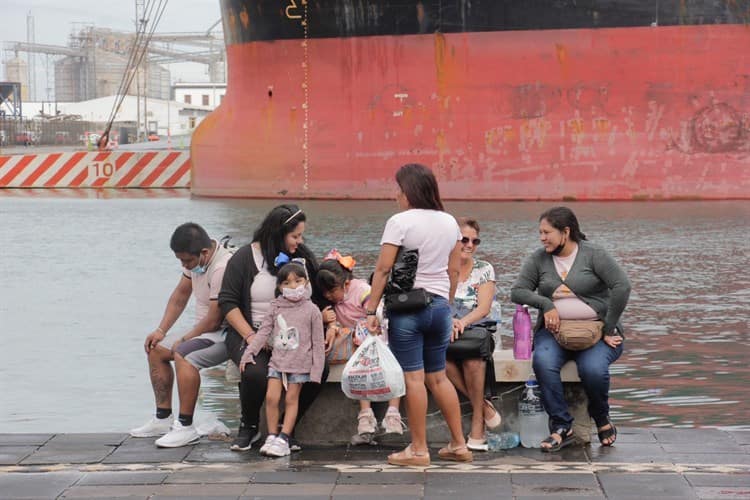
86 279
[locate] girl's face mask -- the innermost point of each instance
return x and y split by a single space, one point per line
294 294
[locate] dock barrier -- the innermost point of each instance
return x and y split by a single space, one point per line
109 169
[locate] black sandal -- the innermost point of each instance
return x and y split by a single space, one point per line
610 433
566 436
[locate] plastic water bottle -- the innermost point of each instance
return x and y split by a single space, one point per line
534 420
496 312
522 333
503 440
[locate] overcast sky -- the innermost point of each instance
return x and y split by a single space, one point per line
53 20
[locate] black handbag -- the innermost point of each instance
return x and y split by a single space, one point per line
476 342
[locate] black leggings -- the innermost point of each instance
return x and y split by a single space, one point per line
254 381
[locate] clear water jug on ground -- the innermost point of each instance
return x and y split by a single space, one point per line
503 440
522 333
533 418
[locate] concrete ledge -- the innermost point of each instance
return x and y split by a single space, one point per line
507 369
333 417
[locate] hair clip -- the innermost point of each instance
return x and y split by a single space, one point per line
347 262
302 262
295 214
280 259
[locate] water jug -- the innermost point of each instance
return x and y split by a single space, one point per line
503 440
522 333
533 418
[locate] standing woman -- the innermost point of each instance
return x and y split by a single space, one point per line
247 290
420 338
572 279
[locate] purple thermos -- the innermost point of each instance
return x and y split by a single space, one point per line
522 333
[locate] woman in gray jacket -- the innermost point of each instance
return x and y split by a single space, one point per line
572 279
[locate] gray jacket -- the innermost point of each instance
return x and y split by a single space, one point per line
594 277
298 339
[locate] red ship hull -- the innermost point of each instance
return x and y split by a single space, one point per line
586 114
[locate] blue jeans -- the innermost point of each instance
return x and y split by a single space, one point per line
593 369
419 339
292 378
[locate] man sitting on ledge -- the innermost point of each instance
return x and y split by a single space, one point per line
204 261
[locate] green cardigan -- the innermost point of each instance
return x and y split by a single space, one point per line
594 277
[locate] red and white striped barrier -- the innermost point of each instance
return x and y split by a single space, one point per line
110 169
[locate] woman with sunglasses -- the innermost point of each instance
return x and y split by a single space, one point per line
247 290
472 305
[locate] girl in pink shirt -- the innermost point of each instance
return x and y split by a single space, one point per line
295 328
347 323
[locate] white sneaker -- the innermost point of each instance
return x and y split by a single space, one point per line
178 435
366 423
477 444
153 428
267 444
279 447
392 423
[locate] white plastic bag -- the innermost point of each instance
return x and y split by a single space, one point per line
211 426
372 373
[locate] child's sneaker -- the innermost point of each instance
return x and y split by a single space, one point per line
269 440
392 423
366 422
359 439
279 447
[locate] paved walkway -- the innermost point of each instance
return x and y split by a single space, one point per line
645 464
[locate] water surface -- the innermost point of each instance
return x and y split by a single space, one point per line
87 279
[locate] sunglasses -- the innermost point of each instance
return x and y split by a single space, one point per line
475 241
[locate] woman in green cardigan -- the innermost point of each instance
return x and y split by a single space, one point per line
572 279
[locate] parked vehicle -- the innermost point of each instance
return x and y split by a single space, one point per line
27 138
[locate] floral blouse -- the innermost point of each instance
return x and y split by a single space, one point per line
467 291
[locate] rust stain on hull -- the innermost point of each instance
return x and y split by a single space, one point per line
621 113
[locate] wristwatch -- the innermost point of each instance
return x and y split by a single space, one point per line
370 312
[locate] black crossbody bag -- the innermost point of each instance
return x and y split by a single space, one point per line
400 294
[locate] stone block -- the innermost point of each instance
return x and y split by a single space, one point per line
635 485
36 485
122 478
332 420
11 455
739 480
24 439
467 485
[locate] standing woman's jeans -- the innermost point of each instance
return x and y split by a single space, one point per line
593 369
419 339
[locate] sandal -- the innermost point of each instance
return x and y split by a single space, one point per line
409 458
566 439
457 454
610 433
494 421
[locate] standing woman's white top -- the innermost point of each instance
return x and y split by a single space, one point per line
434 234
